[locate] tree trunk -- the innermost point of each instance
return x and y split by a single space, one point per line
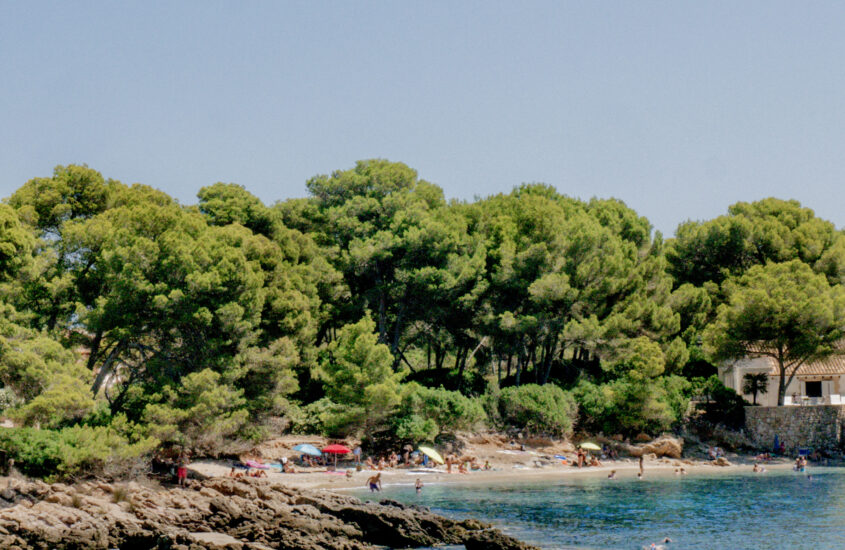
94 350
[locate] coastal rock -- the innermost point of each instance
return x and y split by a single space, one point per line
223 514
671 447
721 461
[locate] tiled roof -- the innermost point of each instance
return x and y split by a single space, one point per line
835 364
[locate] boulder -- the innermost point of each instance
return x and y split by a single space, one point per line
668 446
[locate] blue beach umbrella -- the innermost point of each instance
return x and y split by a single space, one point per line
307 449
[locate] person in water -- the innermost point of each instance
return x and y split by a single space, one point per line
612 474
418 486
375 483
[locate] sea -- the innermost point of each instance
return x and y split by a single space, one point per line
779 509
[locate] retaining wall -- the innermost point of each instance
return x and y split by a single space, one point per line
817 426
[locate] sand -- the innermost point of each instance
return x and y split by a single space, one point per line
509 465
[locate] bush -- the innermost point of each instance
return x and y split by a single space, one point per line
425 413
546 409
77 451
325 417
628 405
717 403
199 413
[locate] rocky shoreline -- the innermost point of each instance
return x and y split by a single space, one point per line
222 514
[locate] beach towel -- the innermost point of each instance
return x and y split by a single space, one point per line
259 465
561 457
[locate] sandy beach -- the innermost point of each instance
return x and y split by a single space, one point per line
508 465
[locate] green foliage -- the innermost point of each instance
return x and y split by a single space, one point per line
537 409
325 417
717 403
216 320
632 406
198 413
784 311
755 383
425 413
357 372
16 244
73 452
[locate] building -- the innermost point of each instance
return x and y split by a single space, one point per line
816 383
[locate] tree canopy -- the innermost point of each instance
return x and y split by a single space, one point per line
374 305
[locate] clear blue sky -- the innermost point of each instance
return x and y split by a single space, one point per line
677 108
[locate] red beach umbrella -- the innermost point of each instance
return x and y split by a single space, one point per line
336 449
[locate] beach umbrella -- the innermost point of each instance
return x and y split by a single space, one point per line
590 446
432 454
336 450
307 449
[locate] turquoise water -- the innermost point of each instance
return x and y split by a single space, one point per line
778 509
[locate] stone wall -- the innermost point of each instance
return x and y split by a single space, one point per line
817 426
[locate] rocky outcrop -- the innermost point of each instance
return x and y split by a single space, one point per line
662 446
222 514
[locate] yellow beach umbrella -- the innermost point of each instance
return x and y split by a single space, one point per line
590 446
432 454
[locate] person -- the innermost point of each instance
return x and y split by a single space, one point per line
641 465
418 486
357 454
462 467
612 474
182 473
370 464
487 465
448 464
594 461
639 475
683 471
756 468
375 483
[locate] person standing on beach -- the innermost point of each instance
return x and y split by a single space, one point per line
182 473
641 465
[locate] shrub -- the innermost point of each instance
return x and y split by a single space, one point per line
425 413
73 452
546 409
631 405
325 417
199 413
717 403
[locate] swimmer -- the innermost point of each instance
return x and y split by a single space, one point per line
418 486
612 474
639 475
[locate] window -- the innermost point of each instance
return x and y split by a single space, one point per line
813 389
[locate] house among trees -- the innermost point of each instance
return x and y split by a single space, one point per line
819 382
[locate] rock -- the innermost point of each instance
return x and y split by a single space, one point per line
665 445
224 514
721 461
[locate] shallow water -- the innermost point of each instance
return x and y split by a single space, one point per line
778 509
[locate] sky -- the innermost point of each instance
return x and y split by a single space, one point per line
678 108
